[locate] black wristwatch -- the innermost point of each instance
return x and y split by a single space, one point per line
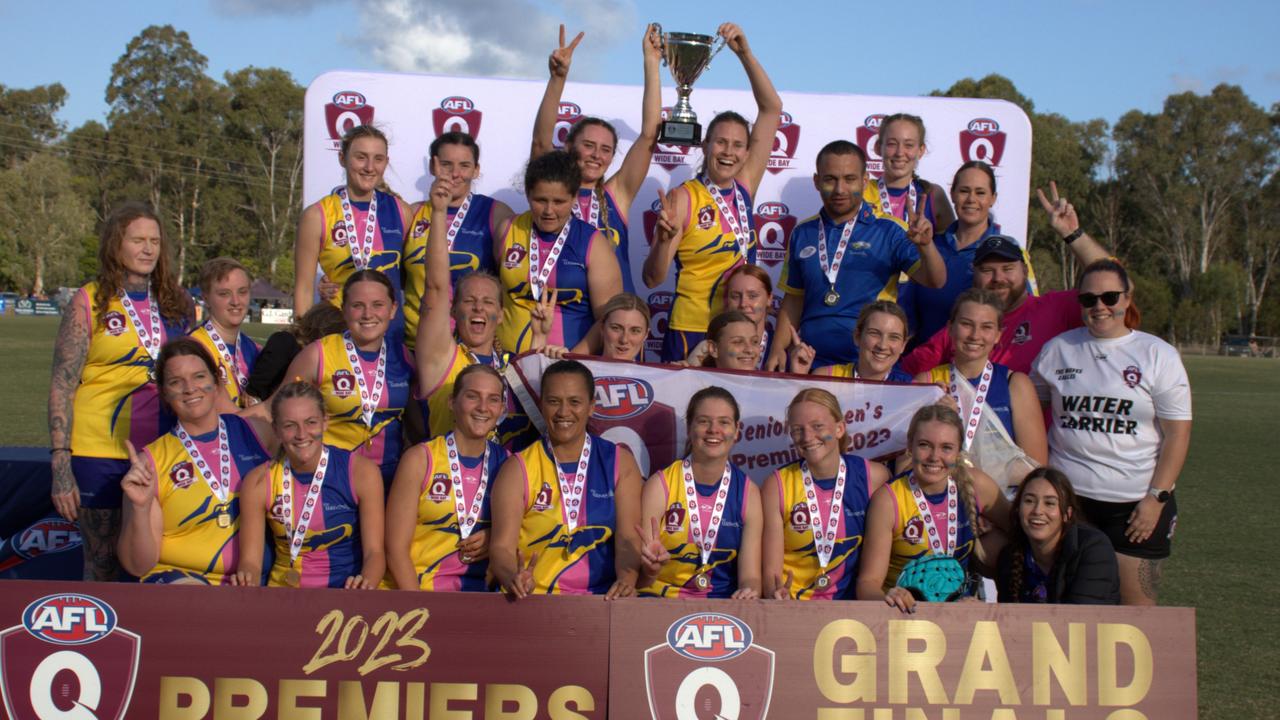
1161 496
1073 236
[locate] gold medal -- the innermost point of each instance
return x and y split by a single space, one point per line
224 519
702 581
831 298
293 578
824 581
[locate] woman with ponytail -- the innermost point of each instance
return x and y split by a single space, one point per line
932 510
1120 404
1052 557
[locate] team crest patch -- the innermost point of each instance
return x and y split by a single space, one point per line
115 323
439 491
542 502
515 255
344 383
420 228
808 251
1022 334
800 517
706 217
182 475
914 531
674 518
339 235
1132 376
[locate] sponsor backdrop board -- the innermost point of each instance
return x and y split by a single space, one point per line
113 651
749 660
414 109
643 407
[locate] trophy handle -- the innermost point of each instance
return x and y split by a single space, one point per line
662 40
717 46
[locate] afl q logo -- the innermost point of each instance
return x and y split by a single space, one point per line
867 137
983 141
776 223
114 322
68 660
457 114
344 383
619 398
709 666
347 110
785 142
567 115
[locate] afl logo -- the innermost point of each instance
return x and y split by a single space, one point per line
1132 376
47 536
913 532
567 115
69 619
347 110
785 142
182 475
982 140
114 322
709 637
515 256
800 517
618 398
439 487
775 223
457 114
343 383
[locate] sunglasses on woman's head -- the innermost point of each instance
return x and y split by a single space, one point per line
1109 298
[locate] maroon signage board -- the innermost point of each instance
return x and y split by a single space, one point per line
113 651
677 659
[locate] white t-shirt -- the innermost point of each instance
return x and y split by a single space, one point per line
1106 394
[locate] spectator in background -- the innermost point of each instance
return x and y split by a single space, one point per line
282 347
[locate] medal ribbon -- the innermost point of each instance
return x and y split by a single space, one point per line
594 217
733 220
368 400
824 540
466 518
148 338
979 401
888 208
705 543
833 269
538 273
926 515
458 218
225 353
362 248
220 486
571 493
297 534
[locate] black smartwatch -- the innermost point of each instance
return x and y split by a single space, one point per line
1161 496
1068 239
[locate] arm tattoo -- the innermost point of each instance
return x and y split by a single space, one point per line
69 353
1149 577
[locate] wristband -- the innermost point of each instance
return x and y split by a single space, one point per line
1073 236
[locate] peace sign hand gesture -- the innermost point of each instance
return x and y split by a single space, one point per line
782 588
919 229
561 58
1062 215
139 483
521 584
653 555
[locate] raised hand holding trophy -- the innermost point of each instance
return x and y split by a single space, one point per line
687 54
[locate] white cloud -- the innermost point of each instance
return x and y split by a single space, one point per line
267 7
486 37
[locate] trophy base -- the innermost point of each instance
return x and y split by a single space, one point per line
687 134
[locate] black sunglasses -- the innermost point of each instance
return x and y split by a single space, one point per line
1109 298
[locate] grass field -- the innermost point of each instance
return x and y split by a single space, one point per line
1219 565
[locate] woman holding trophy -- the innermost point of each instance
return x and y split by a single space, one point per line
706 223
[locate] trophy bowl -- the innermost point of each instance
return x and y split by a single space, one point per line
688 55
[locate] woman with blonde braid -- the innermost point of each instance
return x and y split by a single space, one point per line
932 510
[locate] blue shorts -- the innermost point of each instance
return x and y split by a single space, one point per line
99 481
677 344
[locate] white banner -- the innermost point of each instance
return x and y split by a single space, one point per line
643 407
277 316
414 109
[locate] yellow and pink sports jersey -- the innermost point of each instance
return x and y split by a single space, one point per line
331 549
800 553
569 276
335 376
243 355
708 251
910 539
388 239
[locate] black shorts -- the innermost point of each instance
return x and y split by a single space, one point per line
1112 518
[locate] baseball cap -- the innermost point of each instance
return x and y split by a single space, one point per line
1001 247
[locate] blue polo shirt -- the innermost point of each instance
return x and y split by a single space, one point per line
878 251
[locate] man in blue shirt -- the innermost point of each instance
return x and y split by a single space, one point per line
857 261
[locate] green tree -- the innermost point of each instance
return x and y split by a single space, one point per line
264 130
28 120
43 235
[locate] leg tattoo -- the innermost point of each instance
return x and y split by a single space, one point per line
100 529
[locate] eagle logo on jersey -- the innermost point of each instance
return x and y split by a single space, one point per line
1132 376
515 256
674 518
439 491
114 322
344 383
800 517
542 502
914 531
182 475
706 217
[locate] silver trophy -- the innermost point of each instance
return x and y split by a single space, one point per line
687 54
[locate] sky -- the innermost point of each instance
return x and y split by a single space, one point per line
1083 59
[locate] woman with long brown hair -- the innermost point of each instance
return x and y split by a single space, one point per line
102 392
